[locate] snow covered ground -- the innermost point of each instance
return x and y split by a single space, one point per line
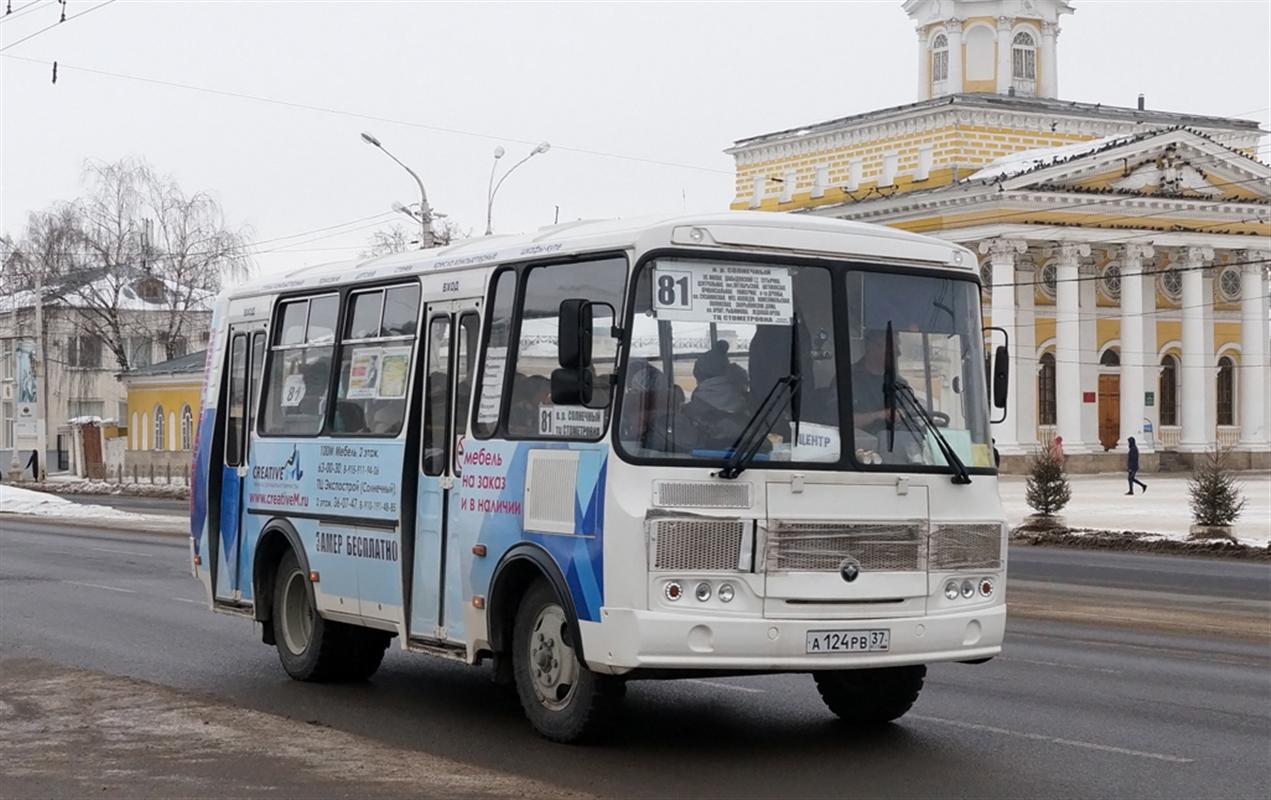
1100 502
16 500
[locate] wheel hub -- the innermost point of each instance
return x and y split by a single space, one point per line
553 664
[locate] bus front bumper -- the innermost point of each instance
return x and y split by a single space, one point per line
629 639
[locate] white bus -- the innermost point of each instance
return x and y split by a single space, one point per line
716 445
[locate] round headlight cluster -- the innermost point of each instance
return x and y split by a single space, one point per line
968 588
673 590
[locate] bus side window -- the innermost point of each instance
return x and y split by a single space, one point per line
531 412
436 396
236 401
375 350
300 368
495 355
465 367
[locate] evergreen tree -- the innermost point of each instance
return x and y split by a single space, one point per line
1047 490
1215 495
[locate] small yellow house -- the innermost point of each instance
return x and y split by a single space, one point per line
163 410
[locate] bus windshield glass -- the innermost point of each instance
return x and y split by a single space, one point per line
710 340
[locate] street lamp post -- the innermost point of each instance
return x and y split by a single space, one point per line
425 211
493 188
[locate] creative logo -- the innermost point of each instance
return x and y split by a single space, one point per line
289 471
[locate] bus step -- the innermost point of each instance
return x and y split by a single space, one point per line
238 609
456 652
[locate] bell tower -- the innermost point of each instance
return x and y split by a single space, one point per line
1001 46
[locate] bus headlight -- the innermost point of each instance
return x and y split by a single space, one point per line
968 589
702 592
951 590
673 590
986 587
726 593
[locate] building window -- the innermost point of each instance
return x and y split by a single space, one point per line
1169 391
158 427
1172 284
986 277
1046 390
1229 284
84 352
187 428
1110 358
1049 280
1024 62
140 352
940 58
85 408
1110 281
1226 391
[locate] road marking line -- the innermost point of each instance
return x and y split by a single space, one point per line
124 552
1041 737
188 600
718 685
101 586
1064 666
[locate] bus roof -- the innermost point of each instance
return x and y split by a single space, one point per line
735 230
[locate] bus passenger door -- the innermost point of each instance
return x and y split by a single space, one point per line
448 360
246 350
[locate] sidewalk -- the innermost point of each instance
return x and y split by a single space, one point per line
1099 502
66 483
27 504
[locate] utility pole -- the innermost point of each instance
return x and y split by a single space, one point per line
42 372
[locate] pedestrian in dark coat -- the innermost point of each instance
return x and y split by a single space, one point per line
1132 466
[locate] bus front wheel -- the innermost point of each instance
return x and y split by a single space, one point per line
564 701
312 648
871 696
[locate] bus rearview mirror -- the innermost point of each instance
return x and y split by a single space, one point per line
574 334
1001 376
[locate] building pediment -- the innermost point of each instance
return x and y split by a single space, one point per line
1176 163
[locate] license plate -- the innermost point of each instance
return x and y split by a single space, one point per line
875 641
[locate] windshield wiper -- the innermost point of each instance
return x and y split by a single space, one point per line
896 389
760 424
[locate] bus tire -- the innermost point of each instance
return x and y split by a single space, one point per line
310 648
364 652
871 696
564 701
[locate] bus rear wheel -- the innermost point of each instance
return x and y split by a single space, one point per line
871 696
564 701
312 648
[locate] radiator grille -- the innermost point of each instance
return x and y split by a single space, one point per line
973 546
698 544
701 494
824 546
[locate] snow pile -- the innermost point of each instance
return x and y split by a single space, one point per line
15 500
1099 502
1027 160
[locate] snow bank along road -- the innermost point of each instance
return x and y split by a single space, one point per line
95 625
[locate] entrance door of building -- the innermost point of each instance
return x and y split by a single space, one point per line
1109 410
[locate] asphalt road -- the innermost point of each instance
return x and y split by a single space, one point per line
1068 710
126 502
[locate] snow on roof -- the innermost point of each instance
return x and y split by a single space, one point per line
104 290
1028 160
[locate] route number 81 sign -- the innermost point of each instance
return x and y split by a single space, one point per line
723 293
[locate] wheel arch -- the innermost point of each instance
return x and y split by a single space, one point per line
276 538
519 567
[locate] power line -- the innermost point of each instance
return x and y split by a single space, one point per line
359 115
20 11
30 36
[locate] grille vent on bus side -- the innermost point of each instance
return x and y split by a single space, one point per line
700 544
824 546
967 546
701 494
551 478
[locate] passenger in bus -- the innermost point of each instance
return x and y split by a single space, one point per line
529 394
653 413
719 407
349 417
869 402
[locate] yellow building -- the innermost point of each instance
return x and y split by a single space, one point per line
1124 249
163 411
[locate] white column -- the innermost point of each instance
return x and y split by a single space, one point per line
924 65
1003 54
1197 368
953 29
1135 351
1068 345
1253 375
1024 361
1001 253
1049 86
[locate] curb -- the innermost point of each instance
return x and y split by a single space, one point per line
1134 542
178 529
160 491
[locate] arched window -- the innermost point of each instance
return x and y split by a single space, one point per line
1226 391
1110 358
187 427
158 427
1024 63
1046 390
940 58
1169 390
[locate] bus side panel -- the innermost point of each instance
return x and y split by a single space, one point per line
490 512
204 446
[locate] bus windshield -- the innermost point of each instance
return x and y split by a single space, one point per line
710 340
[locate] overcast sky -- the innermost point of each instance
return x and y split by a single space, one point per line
638 100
